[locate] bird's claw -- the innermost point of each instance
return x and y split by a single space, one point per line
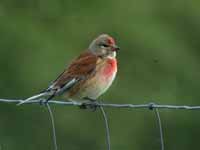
43 102
92 105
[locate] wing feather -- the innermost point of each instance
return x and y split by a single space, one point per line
80 69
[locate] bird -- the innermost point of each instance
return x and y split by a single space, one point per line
88 76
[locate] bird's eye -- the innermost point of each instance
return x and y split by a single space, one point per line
103 45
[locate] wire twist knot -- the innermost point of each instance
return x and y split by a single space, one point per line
151 106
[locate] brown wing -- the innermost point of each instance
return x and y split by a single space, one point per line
79 69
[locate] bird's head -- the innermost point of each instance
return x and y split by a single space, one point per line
104 46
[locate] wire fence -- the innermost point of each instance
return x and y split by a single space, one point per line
98 104
75 103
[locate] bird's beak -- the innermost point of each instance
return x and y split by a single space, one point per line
115 48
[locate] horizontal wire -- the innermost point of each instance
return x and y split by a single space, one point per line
75 103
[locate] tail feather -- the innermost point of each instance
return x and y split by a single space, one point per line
34 97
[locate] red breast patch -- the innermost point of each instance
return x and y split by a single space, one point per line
111 67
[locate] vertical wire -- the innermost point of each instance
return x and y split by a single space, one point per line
160 128
106 126
53 126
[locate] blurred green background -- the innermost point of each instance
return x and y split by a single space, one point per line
159 61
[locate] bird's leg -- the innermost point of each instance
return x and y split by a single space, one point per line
89 104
